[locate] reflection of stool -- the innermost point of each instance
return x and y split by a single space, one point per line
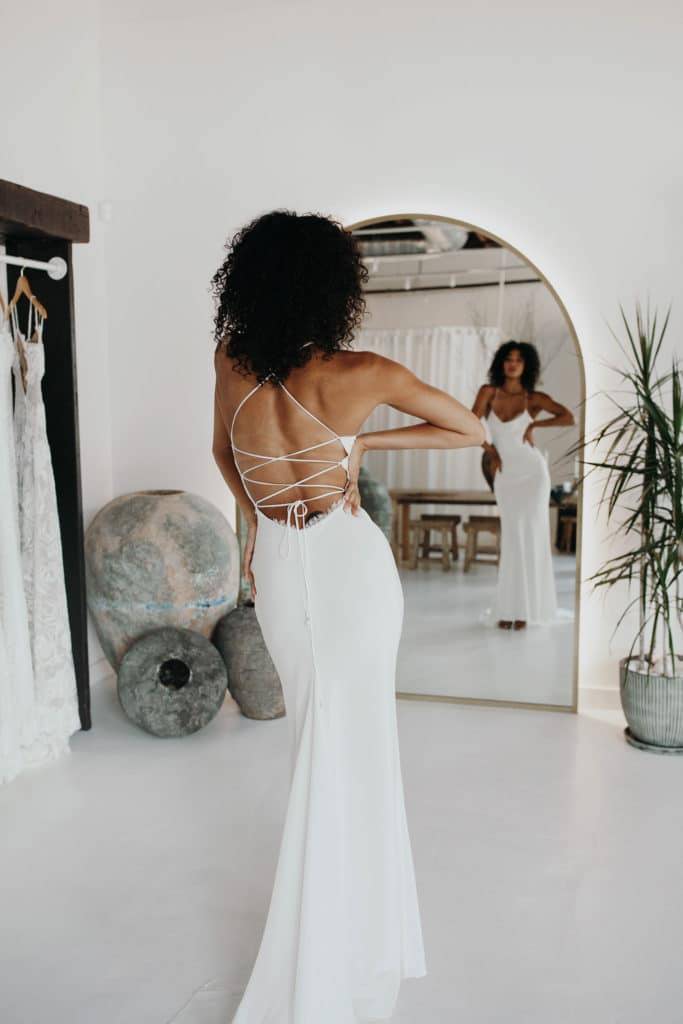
444 518
421 530
474 548
567 530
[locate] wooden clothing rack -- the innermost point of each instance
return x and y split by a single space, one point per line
38 226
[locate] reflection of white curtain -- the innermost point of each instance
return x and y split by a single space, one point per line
455 359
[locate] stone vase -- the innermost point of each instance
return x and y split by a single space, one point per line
158 558
653 707
171 682
252 678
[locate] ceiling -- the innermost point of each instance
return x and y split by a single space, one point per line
404 254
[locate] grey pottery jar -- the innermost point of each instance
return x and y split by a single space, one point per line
158 558
653 705
374 497
253 680
172 682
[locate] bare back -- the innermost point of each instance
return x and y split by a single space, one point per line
340 391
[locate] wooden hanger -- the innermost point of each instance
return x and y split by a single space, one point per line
24 288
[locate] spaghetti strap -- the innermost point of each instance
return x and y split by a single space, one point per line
240 404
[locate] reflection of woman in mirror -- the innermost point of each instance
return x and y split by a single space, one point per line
521 483
343 925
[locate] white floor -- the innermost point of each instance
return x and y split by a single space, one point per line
448 646
136 872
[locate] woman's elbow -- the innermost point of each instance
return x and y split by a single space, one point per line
478 433
220 453
473 434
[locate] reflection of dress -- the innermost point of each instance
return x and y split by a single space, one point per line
526 584
343 926
16 670
55 709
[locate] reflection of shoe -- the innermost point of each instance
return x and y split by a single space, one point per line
504 624
520 624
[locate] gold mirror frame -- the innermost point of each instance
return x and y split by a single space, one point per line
445 698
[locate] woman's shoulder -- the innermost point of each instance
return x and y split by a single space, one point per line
357 364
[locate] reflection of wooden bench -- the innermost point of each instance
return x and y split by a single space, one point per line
421 538
567 532
475 549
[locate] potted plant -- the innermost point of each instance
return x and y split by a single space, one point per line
640 451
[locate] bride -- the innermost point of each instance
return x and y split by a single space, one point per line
525 591
343 926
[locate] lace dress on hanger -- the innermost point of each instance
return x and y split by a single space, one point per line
16 669
56 703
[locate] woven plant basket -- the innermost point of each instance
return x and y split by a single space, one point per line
653 704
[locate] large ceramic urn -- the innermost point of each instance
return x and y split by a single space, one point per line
158 558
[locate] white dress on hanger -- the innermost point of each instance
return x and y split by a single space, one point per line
16 668
343 926
526 583
56 703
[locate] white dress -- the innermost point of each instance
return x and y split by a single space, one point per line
16 669
526 583
55 710
343 926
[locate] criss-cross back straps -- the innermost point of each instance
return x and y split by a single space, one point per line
299 455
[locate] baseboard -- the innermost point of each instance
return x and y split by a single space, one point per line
601 698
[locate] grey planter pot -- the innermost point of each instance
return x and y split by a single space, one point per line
158 558
653 707
252 678
171 682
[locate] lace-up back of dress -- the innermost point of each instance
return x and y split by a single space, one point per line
304 473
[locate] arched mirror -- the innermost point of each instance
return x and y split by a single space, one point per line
487 541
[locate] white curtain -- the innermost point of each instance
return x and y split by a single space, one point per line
455 359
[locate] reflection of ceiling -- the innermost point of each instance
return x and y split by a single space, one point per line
412 254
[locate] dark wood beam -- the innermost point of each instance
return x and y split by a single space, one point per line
25 213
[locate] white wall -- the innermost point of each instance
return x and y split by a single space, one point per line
553 127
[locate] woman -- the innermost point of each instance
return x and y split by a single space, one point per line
343 927
521 483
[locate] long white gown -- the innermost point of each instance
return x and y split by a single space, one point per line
343 926
55 708
16 668
526 583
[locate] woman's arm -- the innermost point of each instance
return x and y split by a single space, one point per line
482 404
222 453
560 415
225 460
447 423
481 407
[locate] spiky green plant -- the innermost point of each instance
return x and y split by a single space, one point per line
640 452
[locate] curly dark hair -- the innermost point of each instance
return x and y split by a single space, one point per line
532 364
287 279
